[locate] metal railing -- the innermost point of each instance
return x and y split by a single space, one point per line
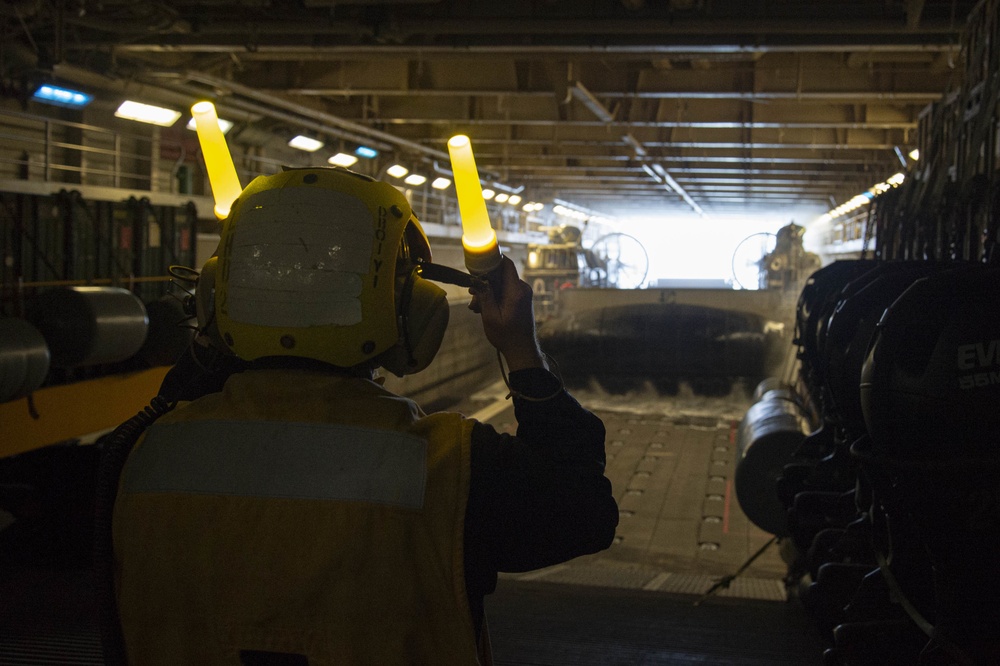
34 147
51 150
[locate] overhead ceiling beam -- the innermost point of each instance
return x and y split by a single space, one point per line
669 181
710 35
654 124
761 96
688 176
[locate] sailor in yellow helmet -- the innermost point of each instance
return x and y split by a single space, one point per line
303 514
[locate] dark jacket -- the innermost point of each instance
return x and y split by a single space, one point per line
539 497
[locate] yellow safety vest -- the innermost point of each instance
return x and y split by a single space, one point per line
297 513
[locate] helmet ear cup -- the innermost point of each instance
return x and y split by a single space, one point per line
423 315
208 325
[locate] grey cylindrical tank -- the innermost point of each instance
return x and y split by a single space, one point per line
90 325
768 435
768 384
24 358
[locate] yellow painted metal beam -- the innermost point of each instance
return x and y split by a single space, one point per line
73 410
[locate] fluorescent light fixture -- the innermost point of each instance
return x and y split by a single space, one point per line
147 113
514 199
342 160
899 156
440 183
569 212
61 96
501 197
915 154
305 143
224 125
366 152
415 179
864 198
397 171
488 193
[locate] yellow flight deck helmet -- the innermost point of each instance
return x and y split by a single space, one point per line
323 263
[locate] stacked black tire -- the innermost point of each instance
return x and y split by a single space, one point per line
893 502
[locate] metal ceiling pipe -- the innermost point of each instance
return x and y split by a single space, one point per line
580 92
305 123
130 88
320 116
916 97
816 30
652 174
630 51
493 182
640 150
606 118
156 89
668 181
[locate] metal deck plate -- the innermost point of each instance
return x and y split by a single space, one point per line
671 461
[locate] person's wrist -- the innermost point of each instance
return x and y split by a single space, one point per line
520 358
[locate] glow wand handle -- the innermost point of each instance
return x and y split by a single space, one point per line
479 240
219 162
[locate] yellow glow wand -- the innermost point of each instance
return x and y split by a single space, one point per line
221 170
482 252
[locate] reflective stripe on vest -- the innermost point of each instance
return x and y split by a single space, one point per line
277 459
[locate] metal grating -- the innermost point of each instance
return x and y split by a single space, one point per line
600 576
646 578
34 647
557 625
742 588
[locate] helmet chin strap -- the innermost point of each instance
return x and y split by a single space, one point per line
440 273
405 296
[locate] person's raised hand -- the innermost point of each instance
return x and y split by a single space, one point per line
504 301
